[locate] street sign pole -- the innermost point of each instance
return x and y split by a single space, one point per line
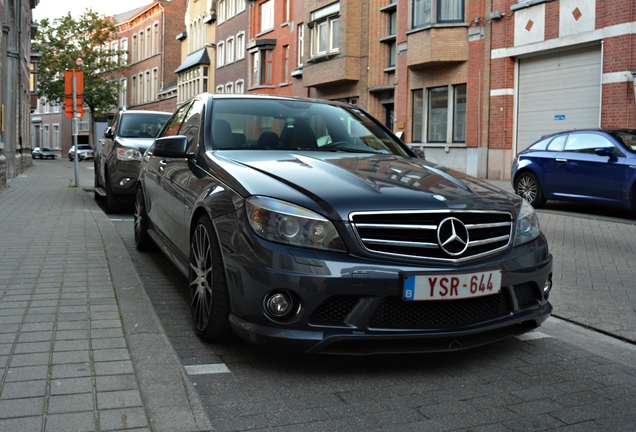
76 156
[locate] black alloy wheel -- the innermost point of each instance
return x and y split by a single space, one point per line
209 300
528 187
143 242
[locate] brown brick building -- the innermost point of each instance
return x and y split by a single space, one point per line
231 65
148 34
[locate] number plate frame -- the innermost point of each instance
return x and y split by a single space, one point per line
450 286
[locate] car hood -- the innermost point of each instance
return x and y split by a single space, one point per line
340 183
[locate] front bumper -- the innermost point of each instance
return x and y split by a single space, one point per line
350 304
123 177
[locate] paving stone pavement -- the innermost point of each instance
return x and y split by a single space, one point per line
80 346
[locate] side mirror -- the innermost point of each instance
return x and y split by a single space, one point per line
604 151
108 133
171 147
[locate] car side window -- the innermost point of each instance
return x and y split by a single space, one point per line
588 142
190 126
557 144
174 123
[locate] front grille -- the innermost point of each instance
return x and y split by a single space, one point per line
527 294
393 312
333 310
415 234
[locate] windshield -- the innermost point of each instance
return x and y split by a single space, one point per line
297 125
141 125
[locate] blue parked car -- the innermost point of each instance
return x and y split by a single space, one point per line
593 166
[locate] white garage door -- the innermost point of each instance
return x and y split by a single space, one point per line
557 92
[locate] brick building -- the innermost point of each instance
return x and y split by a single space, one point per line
148 34
558 65
275 32
197 42
231 64
15 87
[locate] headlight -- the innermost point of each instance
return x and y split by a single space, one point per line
527 225
128 154
283 222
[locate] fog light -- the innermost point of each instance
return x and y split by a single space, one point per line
548 285
278 304
124 181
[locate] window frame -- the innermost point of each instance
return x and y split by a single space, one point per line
434 10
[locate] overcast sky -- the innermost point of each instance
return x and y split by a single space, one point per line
57 8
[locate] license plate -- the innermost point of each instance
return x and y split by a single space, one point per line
451 286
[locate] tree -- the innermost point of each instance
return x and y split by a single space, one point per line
81 44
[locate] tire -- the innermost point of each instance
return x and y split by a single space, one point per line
209 300
143 242
528 187
112 204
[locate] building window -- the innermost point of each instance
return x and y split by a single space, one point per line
231 9
459 114
114 48
239 86
56 136
241 6
46 136
220 54
262 67
287 10
142 45
230 49
286 63
124 48
155 39
220 11
133 94
325 30
267 15
148 43
301 44
135 49
229 88
123 92
445 115
219 89
427 12
240 46
418 115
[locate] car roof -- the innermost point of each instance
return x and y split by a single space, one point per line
605 130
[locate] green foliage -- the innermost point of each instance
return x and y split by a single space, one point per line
81 44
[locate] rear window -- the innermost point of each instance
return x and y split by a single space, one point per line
627 138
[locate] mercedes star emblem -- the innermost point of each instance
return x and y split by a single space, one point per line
452 236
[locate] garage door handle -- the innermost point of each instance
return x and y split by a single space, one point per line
561 160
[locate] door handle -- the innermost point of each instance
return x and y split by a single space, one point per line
162 165
561 160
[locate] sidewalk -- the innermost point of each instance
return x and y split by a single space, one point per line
80 344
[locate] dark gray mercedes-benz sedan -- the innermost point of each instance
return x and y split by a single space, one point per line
307 225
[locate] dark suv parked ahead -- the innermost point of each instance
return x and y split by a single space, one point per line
119 153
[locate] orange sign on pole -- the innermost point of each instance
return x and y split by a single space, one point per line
68 92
